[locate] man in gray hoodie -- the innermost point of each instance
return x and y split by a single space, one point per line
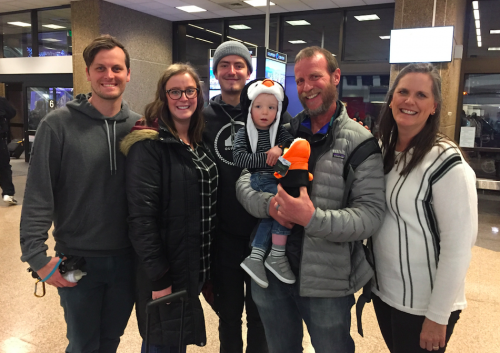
76 181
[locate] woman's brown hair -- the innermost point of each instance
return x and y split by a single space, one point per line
158 109
421 143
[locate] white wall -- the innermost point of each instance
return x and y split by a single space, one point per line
37 65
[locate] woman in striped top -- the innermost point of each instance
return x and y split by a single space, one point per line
423 249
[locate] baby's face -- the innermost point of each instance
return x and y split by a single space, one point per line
264 109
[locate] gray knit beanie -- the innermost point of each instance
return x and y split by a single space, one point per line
232 48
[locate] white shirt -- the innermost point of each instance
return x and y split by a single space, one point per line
423 249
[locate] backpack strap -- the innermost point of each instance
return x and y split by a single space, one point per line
358 156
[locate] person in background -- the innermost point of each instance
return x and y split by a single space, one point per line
172 196
77 181
423 249
7 112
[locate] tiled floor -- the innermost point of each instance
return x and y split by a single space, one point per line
29 324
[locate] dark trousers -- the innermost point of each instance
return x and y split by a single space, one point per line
97 309
401 331
231 297
5 169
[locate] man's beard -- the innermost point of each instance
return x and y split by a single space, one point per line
328 96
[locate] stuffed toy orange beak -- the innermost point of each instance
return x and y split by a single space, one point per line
298 155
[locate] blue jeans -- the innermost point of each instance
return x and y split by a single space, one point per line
266 183
97 309
282 310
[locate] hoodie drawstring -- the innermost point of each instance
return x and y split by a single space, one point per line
111 147
233 121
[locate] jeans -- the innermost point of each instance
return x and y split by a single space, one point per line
266 183
97 309
401 331
282 310
230 282
5 169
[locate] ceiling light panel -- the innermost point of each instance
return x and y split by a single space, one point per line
50 40
258 3
476 14
51 26
20 24
384 37
190 9
494 48
298 41
475 5
367 17
494 31
298 23
239 27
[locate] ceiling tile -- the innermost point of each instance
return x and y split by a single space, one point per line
296 6
372 2
208 14
347 3
174 3
228 13
320 4
251 11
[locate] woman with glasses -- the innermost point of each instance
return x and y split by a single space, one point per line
423 249
171 190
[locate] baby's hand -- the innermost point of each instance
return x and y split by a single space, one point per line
272 155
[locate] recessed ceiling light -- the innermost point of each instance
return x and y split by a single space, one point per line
53 26
475 5
384 37
478 32
191 8
494 48
50 40
476 14
257 3
299 41
20 24
479 44
478 24
298 23
494 31
239 27
367 17
479 39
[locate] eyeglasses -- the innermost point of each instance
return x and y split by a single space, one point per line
177 93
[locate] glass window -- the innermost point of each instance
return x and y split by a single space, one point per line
480 118
16 30
363 40
250 31
320 30
54 32
200 38
484 29
41 100
364 96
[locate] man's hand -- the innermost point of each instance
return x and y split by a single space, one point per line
56 279
295 210
278 218
162 293
432 336
272 155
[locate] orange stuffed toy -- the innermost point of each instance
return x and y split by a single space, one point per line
297 174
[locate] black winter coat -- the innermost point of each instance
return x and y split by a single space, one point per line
164 227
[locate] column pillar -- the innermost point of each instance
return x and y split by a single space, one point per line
416 14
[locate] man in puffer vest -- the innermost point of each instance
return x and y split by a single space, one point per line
325 247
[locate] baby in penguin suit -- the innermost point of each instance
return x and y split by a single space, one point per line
257 147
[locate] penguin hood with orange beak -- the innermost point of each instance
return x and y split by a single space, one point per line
249 93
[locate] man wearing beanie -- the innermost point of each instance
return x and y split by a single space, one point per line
232 66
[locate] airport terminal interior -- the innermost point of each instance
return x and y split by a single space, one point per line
42 68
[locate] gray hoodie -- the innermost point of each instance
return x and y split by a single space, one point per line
76 179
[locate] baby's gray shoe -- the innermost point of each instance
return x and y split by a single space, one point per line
256 270
280 267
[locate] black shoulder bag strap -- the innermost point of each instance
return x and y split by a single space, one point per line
358 156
